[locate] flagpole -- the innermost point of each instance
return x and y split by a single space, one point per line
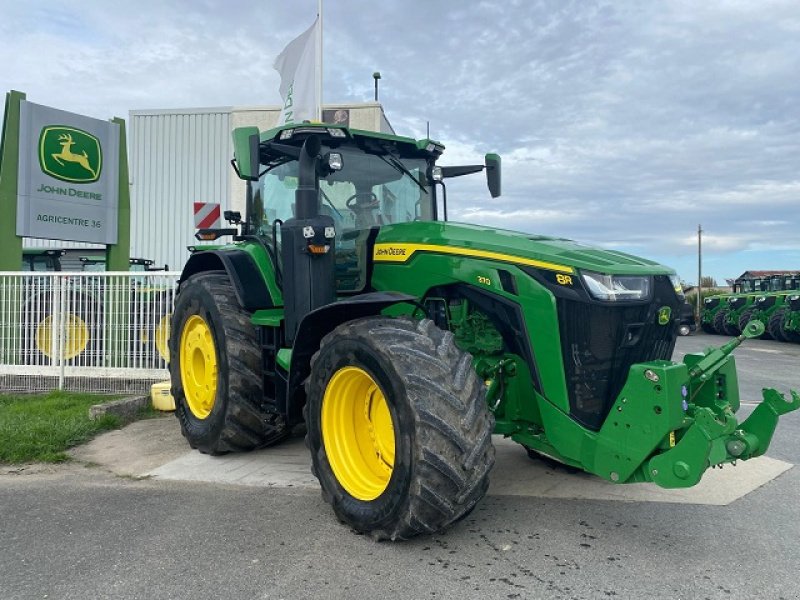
319 62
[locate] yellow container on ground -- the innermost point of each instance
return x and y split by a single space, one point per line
161 397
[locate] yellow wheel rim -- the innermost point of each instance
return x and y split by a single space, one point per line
198 366
162 337
358 434
76 336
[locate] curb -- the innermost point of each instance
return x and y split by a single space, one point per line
125 407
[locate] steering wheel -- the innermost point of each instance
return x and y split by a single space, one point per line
362 201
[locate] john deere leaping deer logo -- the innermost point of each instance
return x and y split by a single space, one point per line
70 154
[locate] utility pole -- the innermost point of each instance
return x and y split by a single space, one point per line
699 266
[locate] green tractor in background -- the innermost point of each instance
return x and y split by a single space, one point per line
347 304
711 306
728 319
150 311
790 319
773 307
85 324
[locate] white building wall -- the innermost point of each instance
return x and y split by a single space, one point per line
176 158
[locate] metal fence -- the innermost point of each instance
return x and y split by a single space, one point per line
97 332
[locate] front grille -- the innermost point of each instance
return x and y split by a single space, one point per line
794 304
600 342
711 303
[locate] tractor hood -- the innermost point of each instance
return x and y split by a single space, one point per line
401 241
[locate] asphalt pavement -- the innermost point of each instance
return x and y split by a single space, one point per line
111 524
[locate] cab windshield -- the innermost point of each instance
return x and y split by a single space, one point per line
369 191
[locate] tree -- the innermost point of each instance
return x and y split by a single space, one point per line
707 281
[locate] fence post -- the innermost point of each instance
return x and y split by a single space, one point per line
62 297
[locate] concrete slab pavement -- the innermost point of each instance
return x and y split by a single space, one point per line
289 466
155 448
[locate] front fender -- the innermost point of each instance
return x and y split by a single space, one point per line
318 323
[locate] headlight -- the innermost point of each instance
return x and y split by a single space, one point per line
761 299
676 284
616 288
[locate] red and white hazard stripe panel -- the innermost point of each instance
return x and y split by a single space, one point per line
207 215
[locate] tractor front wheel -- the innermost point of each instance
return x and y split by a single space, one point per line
790 335
719 321
775 325
398 428
708 327
215 367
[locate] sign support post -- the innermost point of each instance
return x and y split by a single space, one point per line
11 256
118 255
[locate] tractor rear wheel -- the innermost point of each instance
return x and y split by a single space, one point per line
398 428
215 367
719 322
76 342
731 326
791 336
746 317
775 325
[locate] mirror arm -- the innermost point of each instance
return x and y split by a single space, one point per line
461 170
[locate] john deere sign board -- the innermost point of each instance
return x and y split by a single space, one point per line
68 176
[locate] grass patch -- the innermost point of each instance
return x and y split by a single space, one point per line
41 427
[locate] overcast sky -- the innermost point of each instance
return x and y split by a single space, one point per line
620 124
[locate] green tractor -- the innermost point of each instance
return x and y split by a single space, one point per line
711 306
790 319
781 312
85 324
771 307
349 306
150 310
730 319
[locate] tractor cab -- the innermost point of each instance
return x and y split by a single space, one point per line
791 282
41 260
363 181
366 183
751 285
97 264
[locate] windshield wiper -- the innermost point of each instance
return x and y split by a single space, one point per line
328 200
393 162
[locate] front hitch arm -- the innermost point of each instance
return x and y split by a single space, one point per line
712 440
758 428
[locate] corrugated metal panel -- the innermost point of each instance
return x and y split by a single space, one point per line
176 158
40 243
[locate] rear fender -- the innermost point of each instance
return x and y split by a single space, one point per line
248 282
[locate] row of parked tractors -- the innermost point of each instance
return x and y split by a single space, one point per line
773 299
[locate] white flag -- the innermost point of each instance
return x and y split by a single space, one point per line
299 71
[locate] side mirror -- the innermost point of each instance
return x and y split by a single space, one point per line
245 153
493 174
